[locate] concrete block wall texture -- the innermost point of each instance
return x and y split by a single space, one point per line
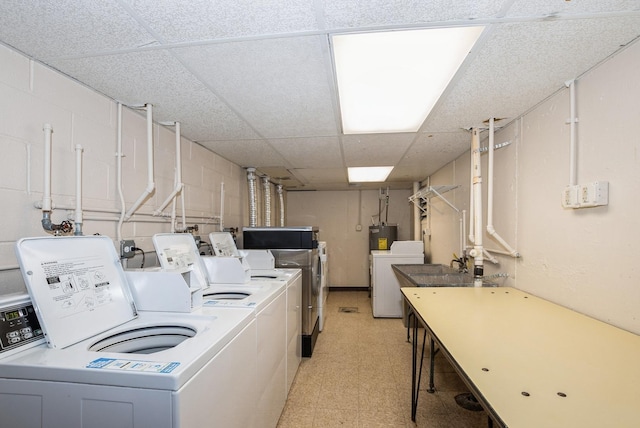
31 95
581 258
336 213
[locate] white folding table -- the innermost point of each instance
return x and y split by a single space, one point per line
530 362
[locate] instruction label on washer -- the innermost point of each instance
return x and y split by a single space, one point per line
133 365
78 285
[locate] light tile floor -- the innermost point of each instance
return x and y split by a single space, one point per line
360 376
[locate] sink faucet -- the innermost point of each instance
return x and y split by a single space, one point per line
461 262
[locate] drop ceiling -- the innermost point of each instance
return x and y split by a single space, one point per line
253 81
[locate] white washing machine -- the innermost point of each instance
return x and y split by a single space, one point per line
105 364
324 284
267 297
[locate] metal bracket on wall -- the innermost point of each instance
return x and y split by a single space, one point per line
426 193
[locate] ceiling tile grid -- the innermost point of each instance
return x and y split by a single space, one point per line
253 80
280 86
48 28
310 152
246 153
198 20
375 149
522 63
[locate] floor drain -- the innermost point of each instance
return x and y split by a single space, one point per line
348 309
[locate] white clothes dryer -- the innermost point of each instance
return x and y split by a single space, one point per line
107 365
323 272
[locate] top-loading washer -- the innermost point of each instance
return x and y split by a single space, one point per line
105 364
279 349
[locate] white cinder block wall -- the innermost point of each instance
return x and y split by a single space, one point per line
32 95
585 259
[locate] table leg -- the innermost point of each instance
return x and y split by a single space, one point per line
414 356
416 371
432 364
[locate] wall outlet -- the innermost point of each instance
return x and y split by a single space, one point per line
127 248
586 195
594 194
570 197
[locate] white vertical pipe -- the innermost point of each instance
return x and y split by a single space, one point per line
184 214
490 228
222 206
253 215
472 237
267 200
573 175
78 213
478 250
281 200
416 214
178 185
46 195
150 173
119 174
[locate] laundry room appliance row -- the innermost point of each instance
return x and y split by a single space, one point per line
79 353
294 247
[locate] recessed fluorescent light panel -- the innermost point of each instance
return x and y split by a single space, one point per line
369 174
390 81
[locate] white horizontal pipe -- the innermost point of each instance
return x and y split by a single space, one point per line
150 173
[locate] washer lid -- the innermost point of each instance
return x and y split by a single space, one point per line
177 252
77 286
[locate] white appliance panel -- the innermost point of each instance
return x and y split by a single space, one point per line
386 298
77 286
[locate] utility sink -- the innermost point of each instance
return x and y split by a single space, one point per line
434 275
431 275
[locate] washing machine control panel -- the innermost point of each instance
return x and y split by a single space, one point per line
19 327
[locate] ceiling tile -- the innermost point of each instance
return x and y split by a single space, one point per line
316 175
281 86
567 7
429 153
195 20
246 153
521 64
156 77
375 149
323 152
54 28
357 13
